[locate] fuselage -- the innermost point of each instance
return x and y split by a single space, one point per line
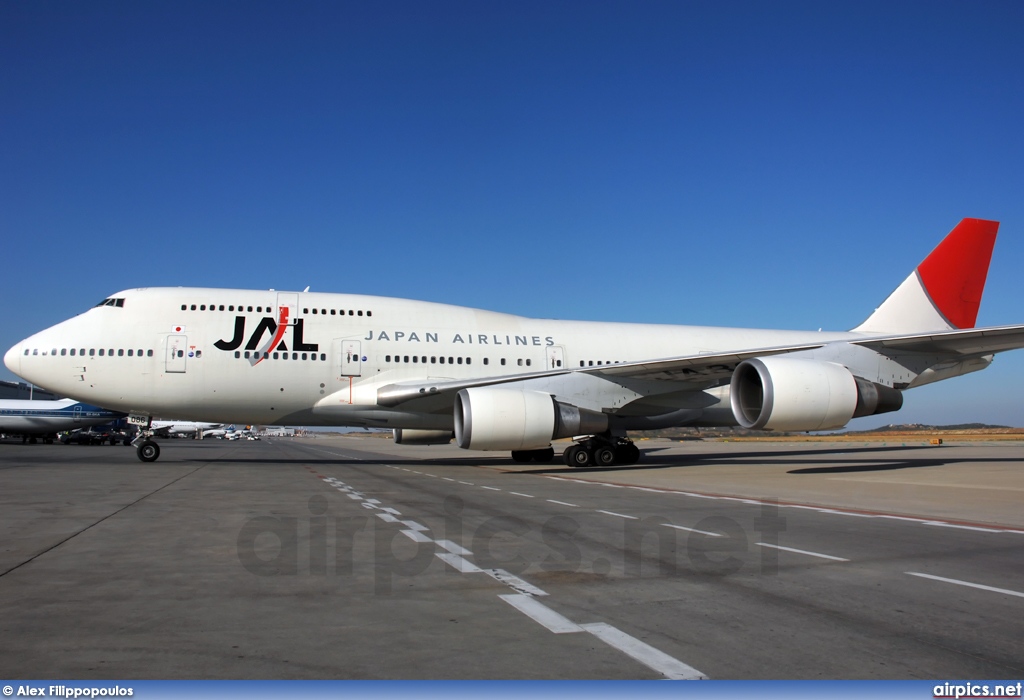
270 357
45 417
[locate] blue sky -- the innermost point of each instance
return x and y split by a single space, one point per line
757 164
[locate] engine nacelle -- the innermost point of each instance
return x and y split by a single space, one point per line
796 394
499 418
405 436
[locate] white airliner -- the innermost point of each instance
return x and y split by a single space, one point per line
166 428
44 419
501 382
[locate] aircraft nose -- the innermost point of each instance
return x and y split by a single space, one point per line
13 359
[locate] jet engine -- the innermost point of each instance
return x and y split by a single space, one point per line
405 436
789 393
500 418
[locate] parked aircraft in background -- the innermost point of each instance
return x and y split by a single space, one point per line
171 428
33 420
501 382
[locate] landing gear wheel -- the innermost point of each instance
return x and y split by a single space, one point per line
544 456
604 456
522 455
627 454
148 451
568 454
581 457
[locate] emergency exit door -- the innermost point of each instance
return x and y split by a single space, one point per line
351 360
175 359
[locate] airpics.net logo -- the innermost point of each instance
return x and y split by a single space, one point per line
388 548
966 690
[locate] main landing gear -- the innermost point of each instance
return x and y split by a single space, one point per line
601 451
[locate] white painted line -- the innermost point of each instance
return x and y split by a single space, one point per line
416 536
490 488
894 517
612 486
387 518
461 565
467 483
700 495
644 488
654 659
355 497
967 583
800 551
524 495
619 515
541 614
939 523
563 503
454 548
416 472
447 479
432 476
692 529
852 515
514 582
413 525
374 501
392 511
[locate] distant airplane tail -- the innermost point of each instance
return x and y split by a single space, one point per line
944 292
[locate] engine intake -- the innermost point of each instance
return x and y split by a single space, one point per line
789 393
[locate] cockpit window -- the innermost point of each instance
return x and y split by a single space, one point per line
112 302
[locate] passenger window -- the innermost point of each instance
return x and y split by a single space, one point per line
306 311
469 360
360 313
220 308
183 307
231 308
120 352
303 356
63 352
433 360
323 357
487 361
332 312
369 313
193 307
149 353
131 353
460 360
72 352
250 308
202 307
101 352
503 362
520 362
237 354
199 353
529 362
275 355
415 358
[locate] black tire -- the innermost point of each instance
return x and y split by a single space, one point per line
544 456
604 456
521 456
148 451
581 457
567 455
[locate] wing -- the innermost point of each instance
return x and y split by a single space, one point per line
974 342
697 369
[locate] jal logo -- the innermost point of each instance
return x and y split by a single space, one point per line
268 327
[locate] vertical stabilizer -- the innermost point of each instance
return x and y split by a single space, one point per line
944 292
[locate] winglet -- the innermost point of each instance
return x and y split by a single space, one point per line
954 273
944 292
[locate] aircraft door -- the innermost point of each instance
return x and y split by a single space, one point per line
556 357
351 360
176 347
287 307
77 413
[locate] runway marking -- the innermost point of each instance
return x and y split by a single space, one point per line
800 551
967 583
524 599
432 476
514 582
461 565
454 548
619 515
467 483
939 523
447 479
541 614
692 529
355 497
416 536
654 659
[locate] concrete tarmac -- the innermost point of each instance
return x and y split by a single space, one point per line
356 558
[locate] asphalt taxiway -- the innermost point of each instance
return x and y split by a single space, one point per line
358 558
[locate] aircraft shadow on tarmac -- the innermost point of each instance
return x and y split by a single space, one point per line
826 461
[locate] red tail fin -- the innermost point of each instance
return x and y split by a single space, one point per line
954 273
